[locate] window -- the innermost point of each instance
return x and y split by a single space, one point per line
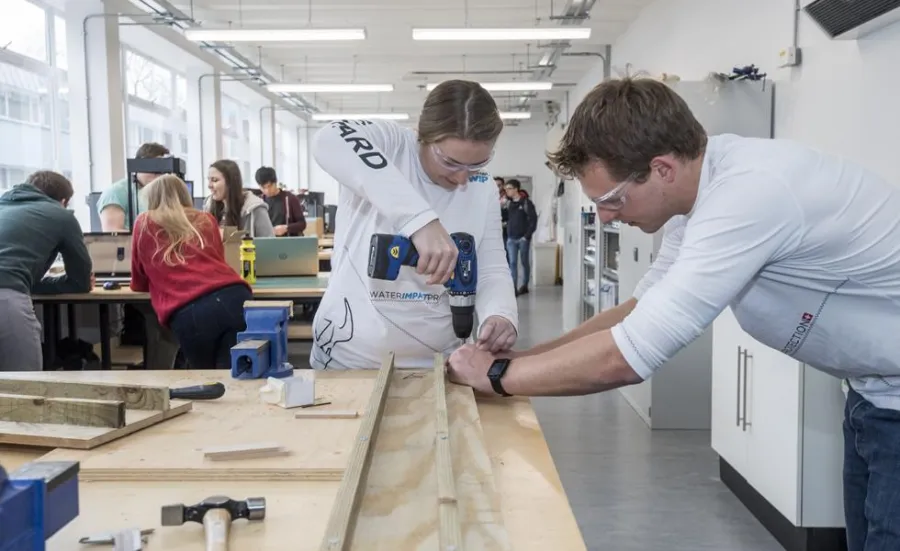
155 96
25 125
236 135
18 17
59 38
183 141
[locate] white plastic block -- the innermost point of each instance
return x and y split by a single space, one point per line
290 392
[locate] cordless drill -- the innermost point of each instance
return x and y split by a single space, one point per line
387 253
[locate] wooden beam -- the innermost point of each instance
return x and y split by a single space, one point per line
449 532
19 408
134 396
339 531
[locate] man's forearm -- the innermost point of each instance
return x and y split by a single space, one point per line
602 321
587 365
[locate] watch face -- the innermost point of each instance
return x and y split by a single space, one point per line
498 368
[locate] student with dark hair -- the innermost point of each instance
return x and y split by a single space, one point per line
35 226
113 203
520 227
232 205
285 210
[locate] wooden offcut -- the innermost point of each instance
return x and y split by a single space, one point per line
339 531
245 451
134 396
19 408
449 532
328 414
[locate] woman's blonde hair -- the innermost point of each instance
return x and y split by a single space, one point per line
459 109
171 207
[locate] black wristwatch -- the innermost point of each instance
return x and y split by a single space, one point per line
496 372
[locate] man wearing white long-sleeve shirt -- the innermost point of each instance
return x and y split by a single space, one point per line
423 185
803 246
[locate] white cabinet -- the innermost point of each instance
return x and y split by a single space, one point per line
777 422
678 395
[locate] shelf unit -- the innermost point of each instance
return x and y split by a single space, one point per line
591 265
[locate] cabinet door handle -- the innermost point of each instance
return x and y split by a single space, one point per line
745 422
737 402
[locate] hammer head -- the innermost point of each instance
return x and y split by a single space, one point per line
252 508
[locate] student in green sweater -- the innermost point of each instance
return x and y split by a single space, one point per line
35 226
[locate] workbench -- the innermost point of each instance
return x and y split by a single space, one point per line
535 510
300 290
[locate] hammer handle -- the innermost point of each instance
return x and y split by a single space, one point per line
216 524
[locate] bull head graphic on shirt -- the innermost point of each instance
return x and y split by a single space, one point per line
333 334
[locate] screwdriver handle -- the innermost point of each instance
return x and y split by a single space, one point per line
206 391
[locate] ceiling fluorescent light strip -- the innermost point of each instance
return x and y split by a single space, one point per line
273 35
301 88
537 33
520 115
360 116
522 86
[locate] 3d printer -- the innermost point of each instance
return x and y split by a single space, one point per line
157 165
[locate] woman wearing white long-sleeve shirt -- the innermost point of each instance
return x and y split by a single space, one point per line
423 186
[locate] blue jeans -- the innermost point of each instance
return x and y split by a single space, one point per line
207 328
871 476
514 248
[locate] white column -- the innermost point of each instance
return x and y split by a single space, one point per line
272 132
96 99
303 156
204 124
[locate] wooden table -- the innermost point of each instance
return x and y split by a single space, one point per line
535 510
300 290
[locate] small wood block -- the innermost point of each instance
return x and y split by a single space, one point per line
256 345
290 392
19 408
134 396
327 414
244 451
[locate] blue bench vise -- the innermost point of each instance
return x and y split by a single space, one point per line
261 350
36 501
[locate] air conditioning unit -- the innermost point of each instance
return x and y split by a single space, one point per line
852 19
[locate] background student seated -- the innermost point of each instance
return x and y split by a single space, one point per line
179 258
232 205
35 226
113 203
285 209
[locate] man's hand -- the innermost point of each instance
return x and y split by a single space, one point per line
469 366
497 334
280 230
437 252
93 280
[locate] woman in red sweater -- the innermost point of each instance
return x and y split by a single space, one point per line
177 255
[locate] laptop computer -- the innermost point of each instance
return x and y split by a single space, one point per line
287 256
111 256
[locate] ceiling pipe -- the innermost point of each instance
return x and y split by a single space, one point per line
164 8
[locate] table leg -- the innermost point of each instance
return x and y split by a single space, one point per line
72 322
51 334
105 352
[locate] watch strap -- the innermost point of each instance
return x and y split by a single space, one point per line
495 374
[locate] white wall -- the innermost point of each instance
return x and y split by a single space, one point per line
520 150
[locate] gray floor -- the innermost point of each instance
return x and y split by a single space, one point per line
633 489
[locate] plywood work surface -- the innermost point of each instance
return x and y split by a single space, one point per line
399 510
317 449
535 512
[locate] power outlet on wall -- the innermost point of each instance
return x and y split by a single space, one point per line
789 57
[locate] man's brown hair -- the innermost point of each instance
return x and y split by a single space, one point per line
459 109
52 184
151 150
624 124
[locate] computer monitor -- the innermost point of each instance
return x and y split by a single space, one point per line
110 255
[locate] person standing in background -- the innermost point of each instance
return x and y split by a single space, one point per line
520 227
113 203
35 226
285 210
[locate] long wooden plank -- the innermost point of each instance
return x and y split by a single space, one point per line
449 532
84 438
339 531
134 396
19 408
